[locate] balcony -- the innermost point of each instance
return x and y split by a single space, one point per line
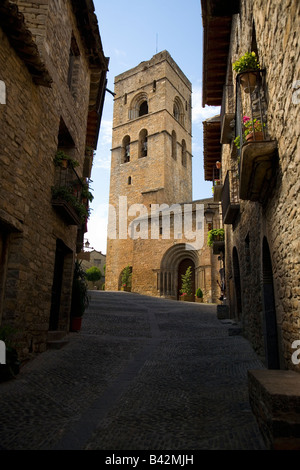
230 197
257 150
227 115
67 196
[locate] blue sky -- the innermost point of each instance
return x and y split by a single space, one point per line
133 31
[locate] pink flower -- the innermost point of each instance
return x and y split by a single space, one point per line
245 119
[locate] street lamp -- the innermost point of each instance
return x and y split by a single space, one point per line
209 215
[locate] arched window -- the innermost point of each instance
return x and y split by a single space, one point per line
174 145
143 143
178 110
126 149
143 108
138 106
183 153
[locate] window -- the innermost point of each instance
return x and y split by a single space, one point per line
74 63
143 108
139 106
129 180
126 149
154 85
143 143
183 153
174 144
178 110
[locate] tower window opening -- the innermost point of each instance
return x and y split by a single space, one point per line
143 143
154 85
174 144
129 180
126 149
143 109
183 153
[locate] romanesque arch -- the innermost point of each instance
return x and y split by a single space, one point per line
168 284
139 106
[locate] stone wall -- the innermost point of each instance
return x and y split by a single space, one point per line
276 220
31 122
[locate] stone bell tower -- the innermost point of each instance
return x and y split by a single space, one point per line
151 160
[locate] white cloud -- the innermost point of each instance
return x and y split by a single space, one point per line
200 114
97 228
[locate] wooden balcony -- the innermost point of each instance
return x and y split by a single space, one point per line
256 169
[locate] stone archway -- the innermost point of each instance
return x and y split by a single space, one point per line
270 323
183 265
168 284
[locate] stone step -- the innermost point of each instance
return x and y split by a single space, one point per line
57 339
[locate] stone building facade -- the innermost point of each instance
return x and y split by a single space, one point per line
260 180
151 185
54 73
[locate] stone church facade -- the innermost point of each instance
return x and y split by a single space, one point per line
260 192
151 186
53 75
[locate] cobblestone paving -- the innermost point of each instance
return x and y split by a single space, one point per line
143 374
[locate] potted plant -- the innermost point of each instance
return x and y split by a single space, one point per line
66 194
80 300
199 295
215 235
253 130
126 279
63 160
186 287
247 67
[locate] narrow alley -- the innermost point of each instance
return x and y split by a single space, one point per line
142 374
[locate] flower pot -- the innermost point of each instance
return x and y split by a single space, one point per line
248 81
76 324
258 136
218 165
186 298
64 163
199 300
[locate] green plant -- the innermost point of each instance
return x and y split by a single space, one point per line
247 62
80 299
199 293
249 126
66 193
12 366
213 234
126 277
60 156
85 192
93 274
186 287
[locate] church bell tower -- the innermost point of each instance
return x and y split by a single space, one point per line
151 159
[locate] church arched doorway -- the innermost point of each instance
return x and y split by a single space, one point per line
172 266
183 266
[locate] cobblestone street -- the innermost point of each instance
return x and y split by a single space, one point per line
143 374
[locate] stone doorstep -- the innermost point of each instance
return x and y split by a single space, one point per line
56 339
275 401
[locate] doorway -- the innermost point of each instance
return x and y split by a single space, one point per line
59 266
183 266
237 284
270 323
